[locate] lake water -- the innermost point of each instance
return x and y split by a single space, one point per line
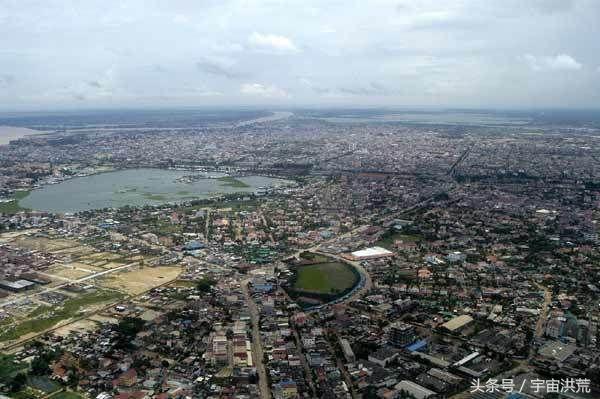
135 187
440 118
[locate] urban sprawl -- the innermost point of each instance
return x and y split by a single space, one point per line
396 261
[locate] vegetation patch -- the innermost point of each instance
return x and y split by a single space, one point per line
184 283
388 239
232 182
317 279
67 395
313 258
12 207
326 278
154 197
43 383
9 368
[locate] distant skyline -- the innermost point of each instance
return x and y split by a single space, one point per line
227 53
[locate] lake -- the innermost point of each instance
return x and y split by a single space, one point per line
137 187
434 118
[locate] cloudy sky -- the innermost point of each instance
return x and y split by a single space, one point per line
402 53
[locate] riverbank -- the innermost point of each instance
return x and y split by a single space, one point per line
11 205
9 133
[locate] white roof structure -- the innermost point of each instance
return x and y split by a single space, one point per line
415 390
373 252
458 322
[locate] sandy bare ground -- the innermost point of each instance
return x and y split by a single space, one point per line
73 271
6 237
137 281
46 244
78 326
8 133
103 319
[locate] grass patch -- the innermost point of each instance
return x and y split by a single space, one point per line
48 317
43 383
27 393
13 206
184 283
126 190
325 278
232 182
154 197
387 240
313 257
67 395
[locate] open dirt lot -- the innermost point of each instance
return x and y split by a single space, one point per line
42 243
5 237
137 281
72 271
78 326
103 319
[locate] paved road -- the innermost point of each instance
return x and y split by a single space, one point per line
257 348
264 220
307 370
340 365
539 328
207 224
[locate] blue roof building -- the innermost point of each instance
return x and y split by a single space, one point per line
193 245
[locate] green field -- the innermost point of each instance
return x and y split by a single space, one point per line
387 240
325 278
45 317
13 207
232 182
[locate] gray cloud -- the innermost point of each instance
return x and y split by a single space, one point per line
484 53
6 80
95 83
558 62
218 69
553 6
373 89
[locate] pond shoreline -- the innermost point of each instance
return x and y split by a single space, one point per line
139 187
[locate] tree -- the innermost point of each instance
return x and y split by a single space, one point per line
18 382
73 378
40 365
204 285
130 326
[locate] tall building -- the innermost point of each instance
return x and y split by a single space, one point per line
401 334
583 333
554 328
